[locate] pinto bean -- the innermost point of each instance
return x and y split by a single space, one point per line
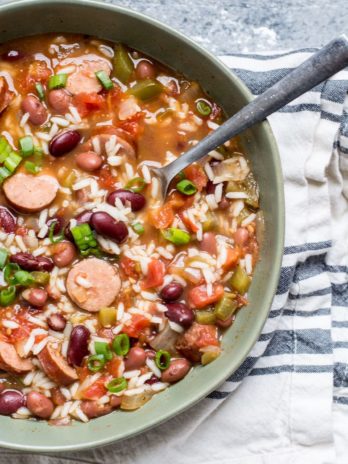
57 396
88 161
28 262
64 253
35 296
39 405
10 402
37 112
176 371
57 322
93 409
59 100
241 236
145 70
135 359
115 401
78 345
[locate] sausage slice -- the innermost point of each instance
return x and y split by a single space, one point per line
5 95
30 193
105 142
55 366
11 362
93 284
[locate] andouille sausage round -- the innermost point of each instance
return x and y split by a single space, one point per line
10 360
55 366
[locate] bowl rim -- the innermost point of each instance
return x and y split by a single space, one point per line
256 329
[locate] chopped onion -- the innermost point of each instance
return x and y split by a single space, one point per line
235 169
129 403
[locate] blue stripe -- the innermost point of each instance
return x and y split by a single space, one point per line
217 395
340 375
340 324
290 368
340 294
303 341
307 247
299 313
337 399
323 291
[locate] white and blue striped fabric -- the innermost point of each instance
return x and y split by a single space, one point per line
288 402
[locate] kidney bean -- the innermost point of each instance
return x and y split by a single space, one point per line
39 405
81 218
135 359
10 402
171 292
93 409
64 254
145 70
226 323
37 112
136 200
115 401
28 262
35 296
7 220
64 142
58 224
12 55
78 345
152 380
241 236
176 371
57 322
59 100
180 313
89 161
107 226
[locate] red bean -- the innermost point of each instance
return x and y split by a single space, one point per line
59 100
12 55
180 313
176 371
136 200
58 224
115 401
145 70
135 359
78 345
7 220
10 402
35 296
63 254
152 380
37 112
107 226
56 322
171 292
93 409
64 142
28 262
39 405
241 236
226 323
89 161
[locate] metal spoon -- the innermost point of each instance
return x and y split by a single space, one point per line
319 67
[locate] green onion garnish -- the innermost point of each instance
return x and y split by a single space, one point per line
57 81
9 273
162 359
120 344
59 237
96 362
138 228
103 349
84 239
32 167
7 296
104 79
40 91
26 146
4 173
12 161
176 236
186 187
203 108
23 278
117 385
136 185
3 257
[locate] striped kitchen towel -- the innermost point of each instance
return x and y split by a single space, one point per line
288 402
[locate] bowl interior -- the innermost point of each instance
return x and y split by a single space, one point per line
29 17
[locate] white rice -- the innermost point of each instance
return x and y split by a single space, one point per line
248 220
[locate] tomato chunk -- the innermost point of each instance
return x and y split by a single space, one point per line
137 324
196 174
155 274
96 390
162 217
198 297
88 102
233 255
128 267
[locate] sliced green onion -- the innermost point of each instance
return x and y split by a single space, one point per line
84 239
146 89
41 277
24 278
4 173
162 359
103 349
3 143
32 167
203 107
138 228
12 161
117 385
26 146
176 236
7 296
120 344
186 187
9 273
105 80
59 237
136 185
57 81
3 257
96 362
40 91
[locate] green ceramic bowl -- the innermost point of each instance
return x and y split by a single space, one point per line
28 17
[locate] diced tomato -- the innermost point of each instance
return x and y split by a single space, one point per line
128 267
37 72
113 366
155 274
88 102
21 231
96 390
233 255
188 223
196 174
179 201
106 180
137 324
132 124
207 336
113 97
198 297
162 217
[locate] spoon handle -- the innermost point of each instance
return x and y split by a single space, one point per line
319 67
